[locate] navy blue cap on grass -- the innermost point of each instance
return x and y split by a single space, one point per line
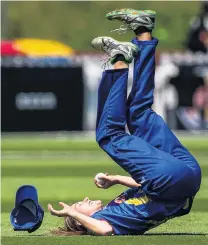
27 214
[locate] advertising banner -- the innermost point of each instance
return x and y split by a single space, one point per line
42 99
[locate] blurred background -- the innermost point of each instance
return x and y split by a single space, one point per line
50 73
49 80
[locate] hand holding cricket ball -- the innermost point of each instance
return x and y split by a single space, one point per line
104 180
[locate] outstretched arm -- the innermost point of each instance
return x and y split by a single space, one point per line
110 180
127 181
97 227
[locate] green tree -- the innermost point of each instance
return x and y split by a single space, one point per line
77 23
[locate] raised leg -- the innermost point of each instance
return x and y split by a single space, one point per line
156 170
111 118
142 121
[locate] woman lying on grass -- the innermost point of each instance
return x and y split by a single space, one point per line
165 177
77 217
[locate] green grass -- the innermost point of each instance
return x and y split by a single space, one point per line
198 144
68 177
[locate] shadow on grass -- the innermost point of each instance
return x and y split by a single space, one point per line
32 235
176 234
148 234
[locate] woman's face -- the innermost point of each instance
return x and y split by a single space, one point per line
87 206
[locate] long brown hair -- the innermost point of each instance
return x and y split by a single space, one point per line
71 228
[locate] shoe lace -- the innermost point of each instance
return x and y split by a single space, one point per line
109 47
122 29
105 63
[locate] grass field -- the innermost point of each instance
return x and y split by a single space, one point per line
61 175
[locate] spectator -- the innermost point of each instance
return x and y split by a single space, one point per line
198 34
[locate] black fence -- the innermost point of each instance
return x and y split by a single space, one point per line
42 99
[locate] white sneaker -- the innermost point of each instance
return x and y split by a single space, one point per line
133 19
113 48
